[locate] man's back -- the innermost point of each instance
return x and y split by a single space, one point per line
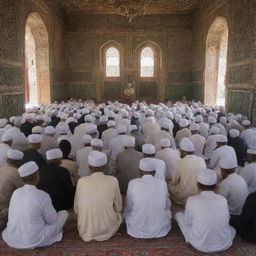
207 217
199 143
98 204
147 208
33 155
249 175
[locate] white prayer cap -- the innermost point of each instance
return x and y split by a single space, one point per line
97 143
251 151
49 130
3 122
146 165
132 127
12 119
28 169
148 149
246 123
207 177
103 119
227 163
47 119
54 153
183 123
125 113
88 118
6 137
234 133
223 120
64 116
178 117
29 116
199 119
97 159
214 130
221 138
194 127
34 138
136 115
111 114
76 116
87 139
149 112
63 129
39 118
151 119
111 123
165 143
37 129
129 142
91 129
166 125
212 120
186 145
121 129
15 154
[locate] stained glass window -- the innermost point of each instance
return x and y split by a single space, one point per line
112 62
147 62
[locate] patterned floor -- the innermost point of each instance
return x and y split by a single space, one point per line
123 245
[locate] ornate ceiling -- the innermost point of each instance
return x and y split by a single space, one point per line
122 6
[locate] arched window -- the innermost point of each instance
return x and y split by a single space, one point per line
147 62
112 62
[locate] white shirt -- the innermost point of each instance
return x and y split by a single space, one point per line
82 161
235 189
249 136
19 140
199 143
185 132
107 136
170 157
160 168
220 153
210 145
206 220
147 208
249 175
117 145
3 152
203 129
31 220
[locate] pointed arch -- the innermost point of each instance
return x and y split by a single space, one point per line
216 62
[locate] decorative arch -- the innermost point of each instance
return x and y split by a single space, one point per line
216 62
111 85
37 74
149 87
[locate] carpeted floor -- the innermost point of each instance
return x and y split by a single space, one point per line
123 245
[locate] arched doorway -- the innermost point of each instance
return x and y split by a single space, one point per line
216 62
37 76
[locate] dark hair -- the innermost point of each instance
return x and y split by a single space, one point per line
206 187
30 178
65 147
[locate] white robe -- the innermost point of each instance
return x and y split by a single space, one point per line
249 175
199 143
4 148
210 145
107 136
32 220
185 132
235 190
48 142
249 137
19 140
205 223
170 157
82 161
147 208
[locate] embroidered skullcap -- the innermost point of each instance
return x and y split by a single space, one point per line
221 138
165 143
6 137
183 123
37 129
121 129
28 169
199 119
147 165
148 149
129 142
97 159
91 129
88 118
34 138
15 154
136 115
97 143
207 177
246 123
214 130
194 127
227 163
111 123
87 139
49 130
103 119
234 133
55 153
63 129
186 145
64 116
212 120
3 122
166 125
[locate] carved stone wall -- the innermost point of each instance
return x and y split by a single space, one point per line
13 15
169 35
241 75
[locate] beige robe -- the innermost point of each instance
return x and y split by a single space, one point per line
72 168
9 181
98 204
184 183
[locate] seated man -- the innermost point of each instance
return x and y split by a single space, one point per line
55 180
32 220
98 202
205 222
147 207
245 224
184 182
9 181
233 187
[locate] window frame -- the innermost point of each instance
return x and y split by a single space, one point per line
154 63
